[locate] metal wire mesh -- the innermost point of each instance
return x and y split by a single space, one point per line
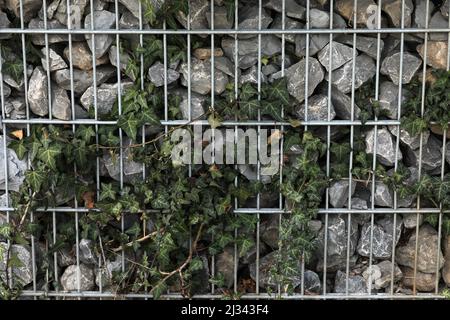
349 213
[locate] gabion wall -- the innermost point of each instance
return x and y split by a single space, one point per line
369 243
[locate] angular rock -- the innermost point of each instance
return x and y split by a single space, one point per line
340 55
339 192
226 66
364 70
295 76
431 155
249 19
445 8
198 9
131 170
412 142
61 107
82 56
364 11
343 105
385 268
250 172
420 13
87 254
438 21
39 39
16 169
367 45
82 79
4 24
385 148
106 96
29 7
77 11
225 266
156 74
69 279
22 271
371 274
319 19
221 20
38 92
427 256
356 284
391 67
197 104
424 281
388 99
382 238
393 8
65 258
316 43
124 58
103 20
104 275
205 53
337 243
292 8
383 195
269 231
251 76
269 69
201 77
436 54
410 220
15 108
289 24
317 109
55 61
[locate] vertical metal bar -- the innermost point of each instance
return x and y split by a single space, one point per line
236 96
213 259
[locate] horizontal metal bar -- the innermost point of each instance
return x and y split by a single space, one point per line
206 123
96 294
223 31
263 210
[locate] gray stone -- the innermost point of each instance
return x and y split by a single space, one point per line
221 20
251 174
410 220
445 7
423 281
87 254
427 255
382 238
412 142
295 76
343 105
15 108
225 266
393 8
103 20
385 148
69 279
340 55
356 283
55 61
312 282
388 99
38 92
385 279
358 204
82 79
197 104
156 74
82 56
420 14
103 276
371 274
226 66
293 9
6 90
364 71
431 155
16 169
201 77
61 107
124 58
198 10
30 8
339 192
391 67
4 24
65 257
77 11
250 255
106 96
289 24
383 195
131 170
39 39
319 19
438 21
249 19
269 230
410 181
269 69
317 109
22 271
337 243
251 76
436 53
316 43
367 45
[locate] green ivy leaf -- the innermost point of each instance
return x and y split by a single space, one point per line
250 108
278 91
19 147
149 117
35 178
129 123
48 156
108 192
247 91
271 109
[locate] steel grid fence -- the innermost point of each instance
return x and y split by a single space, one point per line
378 31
